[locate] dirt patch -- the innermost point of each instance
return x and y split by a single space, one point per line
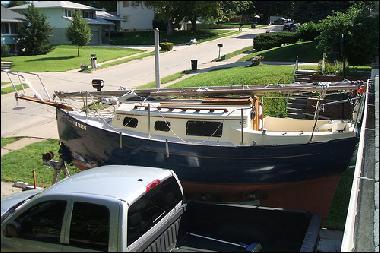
7 189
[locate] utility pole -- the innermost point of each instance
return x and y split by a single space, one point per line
157 59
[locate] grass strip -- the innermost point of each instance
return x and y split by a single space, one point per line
19 164
10 89
338 211
237 52
164 80
8 140
117 62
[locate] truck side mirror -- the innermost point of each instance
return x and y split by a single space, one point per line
11 230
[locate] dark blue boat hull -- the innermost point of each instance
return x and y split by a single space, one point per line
209 164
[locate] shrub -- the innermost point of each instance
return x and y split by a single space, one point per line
34 33
270 40
308 31
166 46
4 50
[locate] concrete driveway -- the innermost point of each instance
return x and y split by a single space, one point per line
30 119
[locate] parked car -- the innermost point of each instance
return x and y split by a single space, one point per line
290 26
131 208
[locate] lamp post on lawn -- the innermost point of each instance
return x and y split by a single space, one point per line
157 59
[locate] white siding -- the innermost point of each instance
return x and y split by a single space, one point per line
137 17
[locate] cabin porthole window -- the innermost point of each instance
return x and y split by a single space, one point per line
130 122
162 126
204 128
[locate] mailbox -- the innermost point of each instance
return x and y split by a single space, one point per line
220 45
98 84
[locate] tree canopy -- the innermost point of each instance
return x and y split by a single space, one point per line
360 34
79 32
34 34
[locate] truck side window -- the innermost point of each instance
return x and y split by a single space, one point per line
90 225
42 222
151 208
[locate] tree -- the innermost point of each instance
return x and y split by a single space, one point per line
169 11
79 32
176 11
360 31
16 3
34 34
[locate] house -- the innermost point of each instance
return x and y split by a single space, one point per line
136 15
10 24
59 16
110 17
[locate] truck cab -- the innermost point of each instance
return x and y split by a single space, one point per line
103 209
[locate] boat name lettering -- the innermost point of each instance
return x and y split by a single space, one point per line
79 125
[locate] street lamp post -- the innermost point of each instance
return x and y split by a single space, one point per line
157 55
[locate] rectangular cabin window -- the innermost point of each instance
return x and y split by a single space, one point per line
204 128
130 122
125 3
162 126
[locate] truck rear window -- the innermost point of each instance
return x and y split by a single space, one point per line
151 208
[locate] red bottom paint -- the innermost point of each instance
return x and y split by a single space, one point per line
310 195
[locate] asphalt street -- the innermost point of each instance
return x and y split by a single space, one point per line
24 118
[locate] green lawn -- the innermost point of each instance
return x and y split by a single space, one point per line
237 52
9 89
131 58
258 75
18 165
7 140
178 37
306 52
64 57
164 80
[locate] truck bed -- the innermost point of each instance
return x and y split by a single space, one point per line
222 227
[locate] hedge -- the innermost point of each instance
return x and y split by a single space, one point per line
166 46
269 40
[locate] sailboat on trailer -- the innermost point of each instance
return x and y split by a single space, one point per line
218 140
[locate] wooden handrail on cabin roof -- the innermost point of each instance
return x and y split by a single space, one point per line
183 108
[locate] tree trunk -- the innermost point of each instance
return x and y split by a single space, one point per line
169 28
194 24
78 51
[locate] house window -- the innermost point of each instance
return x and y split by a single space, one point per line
204 128
130 122
125 3
69 13
162 126
5 28
135 3
14 28
88 14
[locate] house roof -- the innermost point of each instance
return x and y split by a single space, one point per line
107 16
54 4
10 16
94 21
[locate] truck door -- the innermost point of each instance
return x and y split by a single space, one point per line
38 228
89 226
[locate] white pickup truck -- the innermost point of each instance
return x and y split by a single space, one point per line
130 208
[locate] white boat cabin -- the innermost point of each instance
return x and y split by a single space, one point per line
217 124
